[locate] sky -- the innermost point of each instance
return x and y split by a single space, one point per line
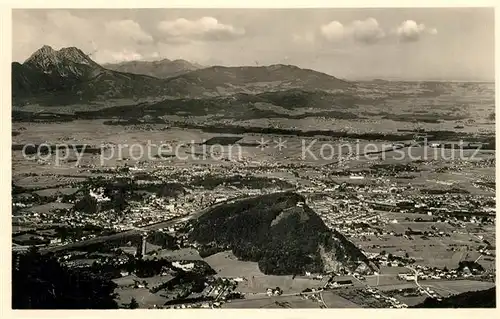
361 43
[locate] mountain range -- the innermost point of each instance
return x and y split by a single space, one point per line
159 69
69 76
222 80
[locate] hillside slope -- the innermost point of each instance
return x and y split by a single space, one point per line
221 80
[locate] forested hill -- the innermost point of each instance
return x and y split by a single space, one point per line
280 232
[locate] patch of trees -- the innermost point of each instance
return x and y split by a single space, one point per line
15 189
208 250
162 239
188 281
24 116
396 168
147 268
453 190
41 282
231 129
472 265
87 205
168 190
133 304
105 268
470 299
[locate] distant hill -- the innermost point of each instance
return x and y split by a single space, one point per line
293 104
160 69
470 299
221 80
380 81
279 232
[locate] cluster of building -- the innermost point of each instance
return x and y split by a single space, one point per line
384 259
346 215
428 273
216 293
392 301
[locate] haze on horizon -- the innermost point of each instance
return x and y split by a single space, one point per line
389 43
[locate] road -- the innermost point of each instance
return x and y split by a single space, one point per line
322 300
416 282
478 258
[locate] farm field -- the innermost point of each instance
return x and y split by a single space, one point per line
226 265
273 302
332 300
446 288
143 296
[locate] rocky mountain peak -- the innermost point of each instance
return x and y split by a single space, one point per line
46 55
75 55
42 57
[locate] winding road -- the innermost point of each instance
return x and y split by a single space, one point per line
416 281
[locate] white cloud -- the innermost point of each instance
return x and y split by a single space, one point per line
410 31
24 32
57 28
369 31
206 28
127 30
333 31
365 31
105 41
68 22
